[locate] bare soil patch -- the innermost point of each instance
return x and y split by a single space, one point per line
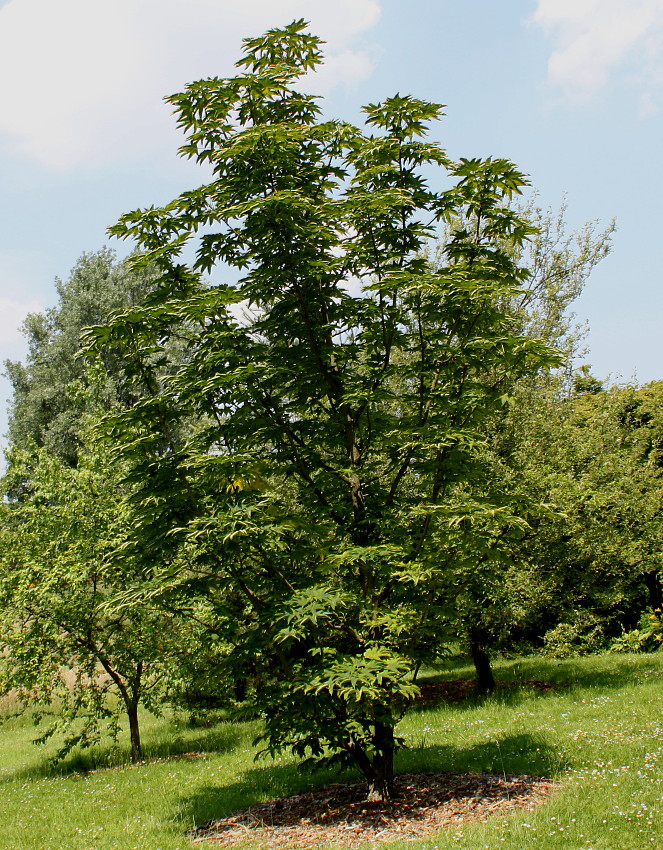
340 816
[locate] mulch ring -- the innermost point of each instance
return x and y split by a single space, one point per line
340 816
457 690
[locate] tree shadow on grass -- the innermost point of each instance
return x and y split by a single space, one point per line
607 671
224 738
213 801
538 677
504 756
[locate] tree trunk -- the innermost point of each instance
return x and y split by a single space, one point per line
134 732
132 712
239 688
131 699
381 782
485 679
653 584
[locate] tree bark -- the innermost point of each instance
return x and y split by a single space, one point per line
481 659
381 782
653 584
134 732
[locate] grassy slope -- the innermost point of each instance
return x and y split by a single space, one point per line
601 735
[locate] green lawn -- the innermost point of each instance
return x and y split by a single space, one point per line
600 734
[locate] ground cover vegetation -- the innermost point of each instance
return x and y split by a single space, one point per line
288 495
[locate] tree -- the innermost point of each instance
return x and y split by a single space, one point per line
45 408
487 608
60 525
560 263
60 564
597 456
342 387
63 522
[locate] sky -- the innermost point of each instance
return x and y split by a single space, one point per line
570 90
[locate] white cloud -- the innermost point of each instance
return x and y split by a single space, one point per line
82 81
592 38
346 68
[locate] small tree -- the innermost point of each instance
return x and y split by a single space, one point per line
60 564
342 387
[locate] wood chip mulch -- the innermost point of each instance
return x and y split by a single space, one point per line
340 816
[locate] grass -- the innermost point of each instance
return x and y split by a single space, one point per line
600 733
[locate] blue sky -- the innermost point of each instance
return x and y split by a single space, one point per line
571 90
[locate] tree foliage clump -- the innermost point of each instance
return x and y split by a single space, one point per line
592 567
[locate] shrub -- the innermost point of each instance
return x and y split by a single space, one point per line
646 638
581 637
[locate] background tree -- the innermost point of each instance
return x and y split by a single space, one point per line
338 427
488 593
63 520
45 409
596 455
560 262
61 561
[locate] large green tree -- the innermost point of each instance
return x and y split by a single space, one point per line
342 388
